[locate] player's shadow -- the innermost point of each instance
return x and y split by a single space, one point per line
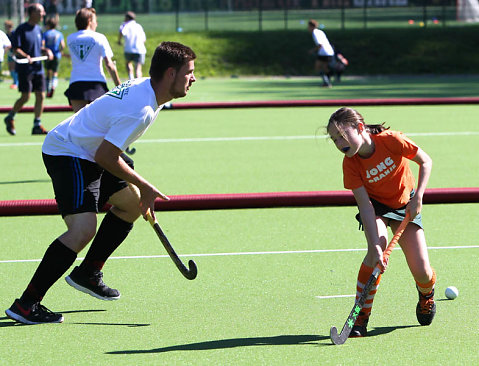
100 323
7 322
26 181
281 340
376 331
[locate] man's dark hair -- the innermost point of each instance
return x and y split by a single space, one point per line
169 54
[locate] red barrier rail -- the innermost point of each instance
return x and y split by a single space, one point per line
247 200
290 103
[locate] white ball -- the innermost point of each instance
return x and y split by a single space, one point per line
452 292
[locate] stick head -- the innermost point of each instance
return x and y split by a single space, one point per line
192 270
336 338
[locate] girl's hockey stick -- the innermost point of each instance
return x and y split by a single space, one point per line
358 305
188 273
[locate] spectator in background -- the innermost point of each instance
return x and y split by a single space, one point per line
87 3
88 50
54 41
51 9
11 62
323 50
27 43
5 44
134 49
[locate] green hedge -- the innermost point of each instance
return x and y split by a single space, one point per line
451 50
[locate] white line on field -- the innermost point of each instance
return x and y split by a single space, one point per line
248 253
333 296
250 138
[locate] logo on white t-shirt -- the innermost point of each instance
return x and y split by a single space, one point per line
120 91
81 49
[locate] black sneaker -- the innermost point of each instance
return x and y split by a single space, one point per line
36 314
39 130
10 124
426 308
92 284
360 326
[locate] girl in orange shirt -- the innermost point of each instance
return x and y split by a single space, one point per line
376 169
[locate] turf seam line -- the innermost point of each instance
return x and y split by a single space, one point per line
312 251
253 138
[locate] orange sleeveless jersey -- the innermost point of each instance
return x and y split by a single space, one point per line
386 174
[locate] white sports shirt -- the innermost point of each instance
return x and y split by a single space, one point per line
87 49
4 42
134 37
120 116
319 38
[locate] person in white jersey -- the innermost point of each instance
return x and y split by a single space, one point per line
134 47
84 157
88 50
323 50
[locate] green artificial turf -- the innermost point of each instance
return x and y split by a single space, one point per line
260 271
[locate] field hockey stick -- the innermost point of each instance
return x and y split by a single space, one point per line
130 151
191 272
359 303
32 59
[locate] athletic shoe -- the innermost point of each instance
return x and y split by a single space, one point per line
426 308
39 130
91 284
36 314
13 86
360 326
10 124
50 93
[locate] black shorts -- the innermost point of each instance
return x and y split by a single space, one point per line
327 59
30 82
85 90
396 214
81 185
52 64
135 57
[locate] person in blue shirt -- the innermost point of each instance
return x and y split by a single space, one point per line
54 41
27 43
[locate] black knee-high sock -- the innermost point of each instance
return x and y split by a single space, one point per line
109 236
56 261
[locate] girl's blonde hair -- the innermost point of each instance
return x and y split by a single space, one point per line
346 116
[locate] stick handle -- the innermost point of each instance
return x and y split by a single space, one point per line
33 59
396 236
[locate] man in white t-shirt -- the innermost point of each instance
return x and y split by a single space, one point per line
89 51
323 51
84 158
4 44
134 48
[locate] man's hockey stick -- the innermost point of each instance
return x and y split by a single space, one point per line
358 305
33 59
188 273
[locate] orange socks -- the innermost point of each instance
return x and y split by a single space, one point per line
363 276
426 288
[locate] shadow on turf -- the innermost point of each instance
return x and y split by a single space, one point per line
384 330
27 181
9 323
232 343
